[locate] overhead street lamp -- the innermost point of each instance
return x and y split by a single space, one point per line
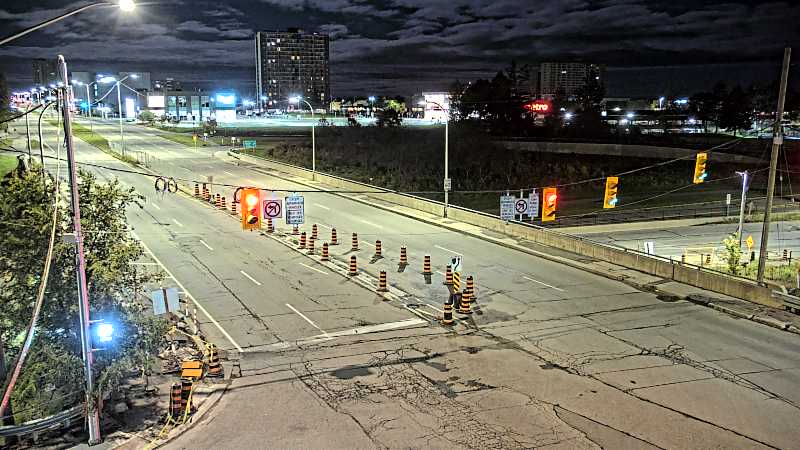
119 102
295 101
124 5
88 101
446 184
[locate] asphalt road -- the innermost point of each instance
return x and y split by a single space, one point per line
729 377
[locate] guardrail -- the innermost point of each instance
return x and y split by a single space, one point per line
34 427
701 277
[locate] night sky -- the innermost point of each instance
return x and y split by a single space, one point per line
651 47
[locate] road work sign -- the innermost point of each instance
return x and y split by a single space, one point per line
273 208
295 211
165 300
249 144
750 242
507 210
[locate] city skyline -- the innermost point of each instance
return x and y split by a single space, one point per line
406 46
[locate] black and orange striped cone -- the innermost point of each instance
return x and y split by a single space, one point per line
217 201
471 288
378 249
353 266
176 400
214 366
303 240
334 241
403 256
464 307
382 282
314 231
196 190
354 243
426 265
448 276
186 394
325 255
295 230
224 204
785 254
311 245
447 319
270 226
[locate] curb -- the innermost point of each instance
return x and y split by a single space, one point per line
769 321
496 241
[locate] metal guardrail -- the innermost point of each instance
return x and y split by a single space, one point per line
59 420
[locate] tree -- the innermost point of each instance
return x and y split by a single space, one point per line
734 253
736 113
388 117
210 126
147 117
52 376
5 102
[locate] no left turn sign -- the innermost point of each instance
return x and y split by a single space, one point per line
521 206
273 208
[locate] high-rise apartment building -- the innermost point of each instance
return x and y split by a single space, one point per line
45 72
566 77
292 63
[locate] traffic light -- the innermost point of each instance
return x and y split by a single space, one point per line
549 197
700 173
251 215
610 199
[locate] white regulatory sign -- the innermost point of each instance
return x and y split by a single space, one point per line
455 263
728 199
295 212
507 210
533 204
448 184
273 208
521 206
165 300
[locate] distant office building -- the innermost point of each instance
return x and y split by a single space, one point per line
290 63
194 106
45 72
167 84
566 77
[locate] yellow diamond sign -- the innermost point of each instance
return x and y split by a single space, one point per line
749 242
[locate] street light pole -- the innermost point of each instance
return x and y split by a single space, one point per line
119 107
446 188
93 413
28 130
777 141
313 139
744 176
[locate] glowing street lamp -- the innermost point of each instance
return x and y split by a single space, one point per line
110 79
295 101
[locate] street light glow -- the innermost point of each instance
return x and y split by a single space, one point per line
371 98
105 332
127 5
107 80
629 115
294 100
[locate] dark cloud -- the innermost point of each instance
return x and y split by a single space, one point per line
389 46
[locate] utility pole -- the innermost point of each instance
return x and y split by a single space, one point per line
28 130
777 141
93 414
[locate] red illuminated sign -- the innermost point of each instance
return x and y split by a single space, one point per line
539 106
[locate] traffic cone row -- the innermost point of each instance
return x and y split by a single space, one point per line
295 230
403 256
233 208
186 394
311 245
447 319
378 249
314 231
270 226
466 298
303 240
214 366
325 255
354 243
176 400
334 241
224 205
196 190
471 288
448 276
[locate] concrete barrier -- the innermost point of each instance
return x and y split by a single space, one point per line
661 267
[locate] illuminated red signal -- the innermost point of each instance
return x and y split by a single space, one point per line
251 216
550 196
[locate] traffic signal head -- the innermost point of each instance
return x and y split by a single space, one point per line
700 173
610 199
549 197
251 215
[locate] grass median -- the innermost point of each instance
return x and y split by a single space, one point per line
90 137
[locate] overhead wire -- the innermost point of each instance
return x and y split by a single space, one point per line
28 111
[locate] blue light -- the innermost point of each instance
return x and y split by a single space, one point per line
84 105
226 99
105 332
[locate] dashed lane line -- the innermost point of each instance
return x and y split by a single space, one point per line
250 278
206 245
176 222
447 250
188 294
313 268
543 284
324 333
321 206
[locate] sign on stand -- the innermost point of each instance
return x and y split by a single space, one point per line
533 204
249 144
650 247
295 212
165 300
273 208
448 184
507 210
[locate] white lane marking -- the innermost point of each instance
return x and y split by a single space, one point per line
321 206
325 226
543 284
210 167
207 246
251 278
251 181
351 332
370 223
176 222
368 243
229 173
155 206
188 294
447 249
440 273
324 333
313 268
